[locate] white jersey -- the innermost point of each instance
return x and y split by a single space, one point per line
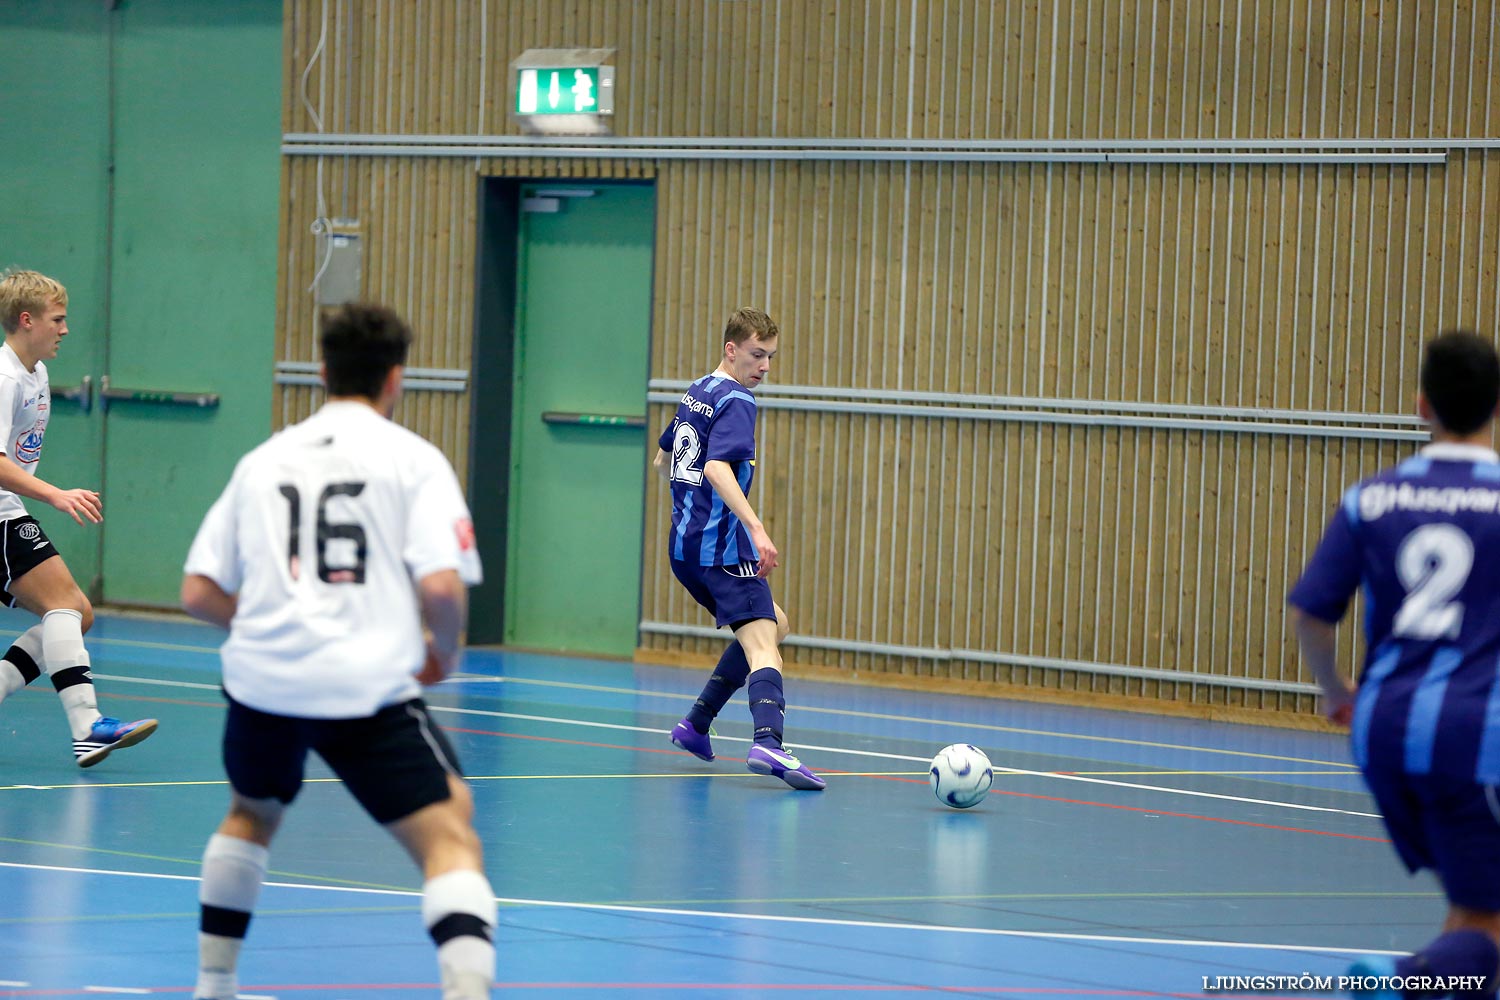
25 405
322 532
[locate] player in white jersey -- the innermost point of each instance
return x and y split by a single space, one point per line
34 315
331 547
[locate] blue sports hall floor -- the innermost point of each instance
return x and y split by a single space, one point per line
1118 855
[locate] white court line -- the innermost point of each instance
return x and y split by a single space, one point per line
773 918
1137 786
467 678
487 713
155 680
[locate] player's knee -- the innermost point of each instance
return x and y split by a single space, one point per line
253 820
76 601
783 626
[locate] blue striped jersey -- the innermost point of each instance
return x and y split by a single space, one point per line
1422 540
714 422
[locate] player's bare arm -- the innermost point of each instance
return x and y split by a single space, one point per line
662 463
74 503
1318 640
721 476
206 601
445 610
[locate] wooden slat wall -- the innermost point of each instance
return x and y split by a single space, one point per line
1302 287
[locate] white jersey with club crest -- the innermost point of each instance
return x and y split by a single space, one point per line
322 533
25 405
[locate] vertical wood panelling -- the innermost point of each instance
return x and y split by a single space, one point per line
1299 286
1032 69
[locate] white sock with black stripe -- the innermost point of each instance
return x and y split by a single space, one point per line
22 663
458 909
67 663
233 871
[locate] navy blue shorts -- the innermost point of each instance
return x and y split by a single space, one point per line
394 762
1450 825
734 595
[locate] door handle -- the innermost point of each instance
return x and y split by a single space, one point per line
592 419
82 393
108 392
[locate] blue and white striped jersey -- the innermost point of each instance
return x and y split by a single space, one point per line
1423 541
714 422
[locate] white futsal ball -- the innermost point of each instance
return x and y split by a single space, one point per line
961 776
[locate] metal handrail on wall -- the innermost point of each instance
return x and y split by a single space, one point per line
940 654
1209 151
435 379
1076 412
1285 145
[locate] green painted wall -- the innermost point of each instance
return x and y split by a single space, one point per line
179 292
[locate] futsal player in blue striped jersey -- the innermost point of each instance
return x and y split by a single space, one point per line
720 551
1423 541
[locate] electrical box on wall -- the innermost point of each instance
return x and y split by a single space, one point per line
339 262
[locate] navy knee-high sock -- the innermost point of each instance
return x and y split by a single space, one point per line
1455 953
767 706
728 677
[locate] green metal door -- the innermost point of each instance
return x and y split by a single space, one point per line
578 441
55 214
149 185
197 201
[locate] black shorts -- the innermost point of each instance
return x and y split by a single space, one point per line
23 547
394 762
1449 825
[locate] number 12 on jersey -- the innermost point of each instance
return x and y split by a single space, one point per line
352 533
685 450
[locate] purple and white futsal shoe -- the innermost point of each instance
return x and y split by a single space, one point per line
777 763
685 737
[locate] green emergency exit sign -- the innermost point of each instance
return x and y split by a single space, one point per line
561 90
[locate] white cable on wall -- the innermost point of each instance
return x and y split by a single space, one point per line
320 224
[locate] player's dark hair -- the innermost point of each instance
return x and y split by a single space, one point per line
1461 380
745 323
361 344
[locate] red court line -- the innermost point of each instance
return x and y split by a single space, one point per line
1071 991
114 695
920 781
1206 819
671 987
558 739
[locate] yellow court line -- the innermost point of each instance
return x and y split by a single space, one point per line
849 713
1218 774
695 774
84 918
467 777
887 717
1035 897
1027 897
195 863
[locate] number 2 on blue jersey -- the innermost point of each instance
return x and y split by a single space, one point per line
1433 563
